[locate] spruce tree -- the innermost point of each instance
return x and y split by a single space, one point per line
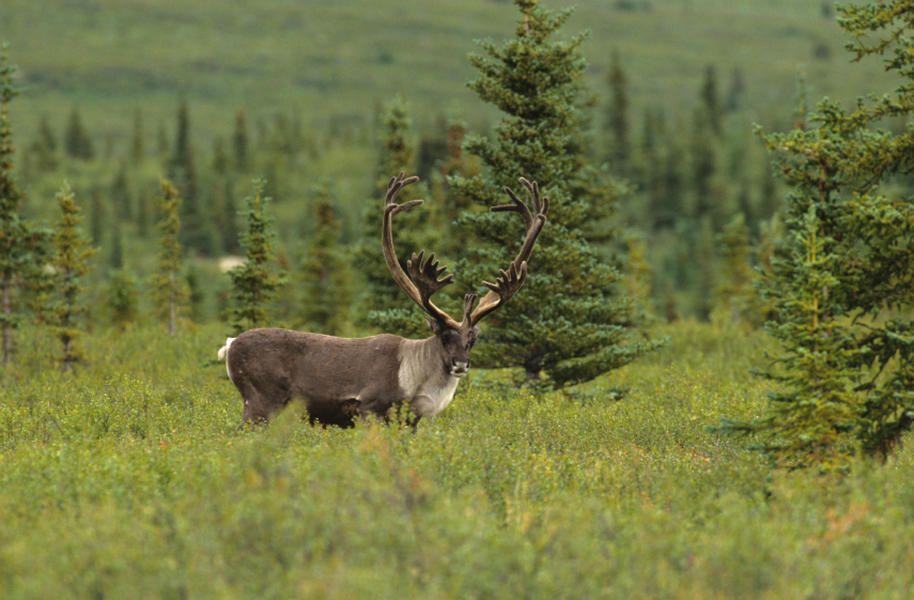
122 298
711 105
142 213
647 170
702 267
137 141
97 217
570 323
842 279
450 202
638 272
735 286
240 141
45 147
116 256
76 142
70 263
325 274
220 158
736 91
703 165
168 284
668 205
120 194
769 202
227 216
194 292
197 231
617 118
162 141
254 283
383 305
23 247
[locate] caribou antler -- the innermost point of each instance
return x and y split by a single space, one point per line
425 275
511 279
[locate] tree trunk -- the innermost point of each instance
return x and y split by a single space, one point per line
7 307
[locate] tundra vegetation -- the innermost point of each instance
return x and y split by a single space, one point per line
595 454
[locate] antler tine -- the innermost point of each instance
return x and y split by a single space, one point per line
424 277
511 279
426 274
468 301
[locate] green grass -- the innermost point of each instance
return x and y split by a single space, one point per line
332 61
133 479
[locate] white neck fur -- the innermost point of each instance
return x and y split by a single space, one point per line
425 384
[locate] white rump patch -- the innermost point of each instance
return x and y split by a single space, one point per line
222 354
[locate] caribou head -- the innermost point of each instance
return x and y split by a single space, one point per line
424 276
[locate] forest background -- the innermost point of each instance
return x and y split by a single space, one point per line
128 92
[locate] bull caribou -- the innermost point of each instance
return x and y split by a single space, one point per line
340 379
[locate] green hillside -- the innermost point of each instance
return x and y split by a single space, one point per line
335 60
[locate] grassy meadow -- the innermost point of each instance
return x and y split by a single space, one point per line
133 479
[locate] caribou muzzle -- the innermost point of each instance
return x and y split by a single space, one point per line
459 368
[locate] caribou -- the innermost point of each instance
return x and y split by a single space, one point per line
343 379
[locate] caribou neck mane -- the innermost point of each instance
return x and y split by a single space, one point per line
423 376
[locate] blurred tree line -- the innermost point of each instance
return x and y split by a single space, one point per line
691 177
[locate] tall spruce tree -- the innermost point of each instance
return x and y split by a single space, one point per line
168 284
70 264
449 201
255 283
842 279
324 272
570 323
619 150
383 305
23 247
197 231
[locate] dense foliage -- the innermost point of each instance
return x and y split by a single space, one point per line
842 279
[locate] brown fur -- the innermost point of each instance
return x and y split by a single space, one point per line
336 377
